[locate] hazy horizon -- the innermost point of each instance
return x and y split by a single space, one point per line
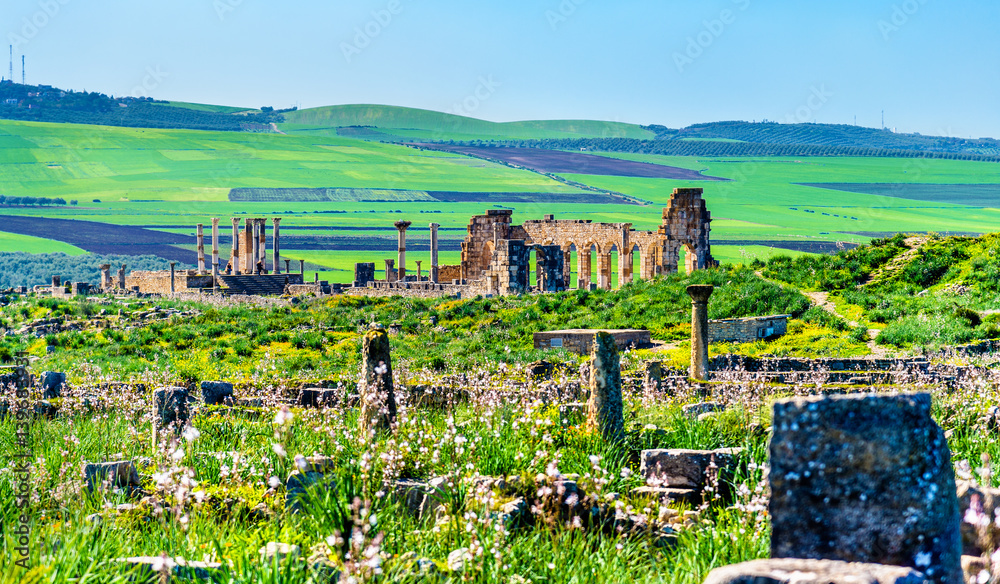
928 65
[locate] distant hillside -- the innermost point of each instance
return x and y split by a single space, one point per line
43 103
401 123
827 135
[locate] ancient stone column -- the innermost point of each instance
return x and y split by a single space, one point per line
201 248
699 330
215 244
262 248
255 247
106 276
121 277
247 246
864 478
390 272
288 263
604 409
583 269
378 402
302 268
604 270
172 264
434 252
418 262
401 226
624 268
235 259
276 260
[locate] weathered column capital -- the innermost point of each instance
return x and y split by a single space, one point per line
434 225
699 293
402 225
276 220
236 221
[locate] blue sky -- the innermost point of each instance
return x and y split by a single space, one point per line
933 66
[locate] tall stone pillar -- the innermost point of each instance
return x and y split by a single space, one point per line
604 408
105 277
302 269
434 252
276 260
200 237
567 268
215 245
235 259
583 268
401 226
418 262
390 272
699 330
172 287
56 285
378 402
262 249
121 277
624 268
247 246
604 270
255 246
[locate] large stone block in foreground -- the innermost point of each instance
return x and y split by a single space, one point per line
864 478
793 571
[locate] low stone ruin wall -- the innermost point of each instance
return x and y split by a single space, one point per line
746 330
787 364
449 273
581 341
159 282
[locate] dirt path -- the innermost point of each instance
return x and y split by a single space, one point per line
822 300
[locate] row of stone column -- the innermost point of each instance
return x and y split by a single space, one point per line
252 259
401 226
106 281
603 268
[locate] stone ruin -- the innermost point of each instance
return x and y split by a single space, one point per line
497 255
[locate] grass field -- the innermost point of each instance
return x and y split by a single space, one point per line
27 244
177 178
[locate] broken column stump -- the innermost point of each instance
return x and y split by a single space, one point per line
170 406
699 330
864 478
216 392
378 402
605 404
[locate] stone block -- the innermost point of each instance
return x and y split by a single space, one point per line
797 571
215 392
685 469
695 410
864 478
170 406
52 384
978 507
121 474
317 397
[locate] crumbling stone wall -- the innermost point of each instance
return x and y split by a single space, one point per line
686 223
159 282
746 330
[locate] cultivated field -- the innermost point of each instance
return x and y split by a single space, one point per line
171 180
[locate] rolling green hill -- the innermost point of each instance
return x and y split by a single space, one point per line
418 124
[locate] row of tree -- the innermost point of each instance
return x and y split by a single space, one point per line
721 149
32 201
25 269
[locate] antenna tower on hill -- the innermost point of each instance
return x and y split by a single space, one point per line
11 77
22 71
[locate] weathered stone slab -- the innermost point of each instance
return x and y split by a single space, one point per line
120 474
685 469
312 478
215 392
864 478
52 384
378 400
170 405
316 397
795 571
669 494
